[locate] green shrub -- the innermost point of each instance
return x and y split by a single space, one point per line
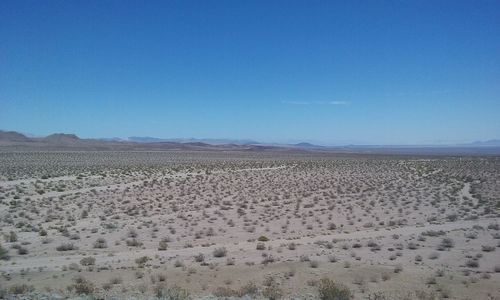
263 238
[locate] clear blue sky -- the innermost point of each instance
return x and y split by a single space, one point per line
376 72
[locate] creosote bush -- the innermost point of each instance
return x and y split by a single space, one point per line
87 261
4 253
329 290
260 246
100 243
82 286
20 289
220 252
171 293
66 247
263 238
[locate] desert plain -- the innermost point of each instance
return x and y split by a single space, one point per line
248 224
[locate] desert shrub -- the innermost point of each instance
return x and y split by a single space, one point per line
133 243
249 289
87 261
171 293
161 277
22 251
107 286
332 226
261 246
314 264
447 243
4 253
471 235
433 233
329 290
357 245
139 274
141 261
472 263
488 248
100 243
304 258
494 226
412 246
12 237
398 269
220 252
74 267
116 280
178 263
82 286
20 289
452 217
423 295
132 233
162 245
199 258
273 291
224 292
431 280
263 238
66 247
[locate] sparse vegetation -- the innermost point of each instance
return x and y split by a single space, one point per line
329 290
165 214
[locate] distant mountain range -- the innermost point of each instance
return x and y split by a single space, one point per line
15 141
147 139
495 143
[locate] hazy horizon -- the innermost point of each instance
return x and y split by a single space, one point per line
246 140
326 73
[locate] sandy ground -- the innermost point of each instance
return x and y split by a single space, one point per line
391 226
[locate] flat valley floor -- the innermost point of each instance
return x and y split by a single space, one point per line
252 224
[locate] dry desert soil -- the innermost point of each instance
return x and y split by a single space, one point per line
270 225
